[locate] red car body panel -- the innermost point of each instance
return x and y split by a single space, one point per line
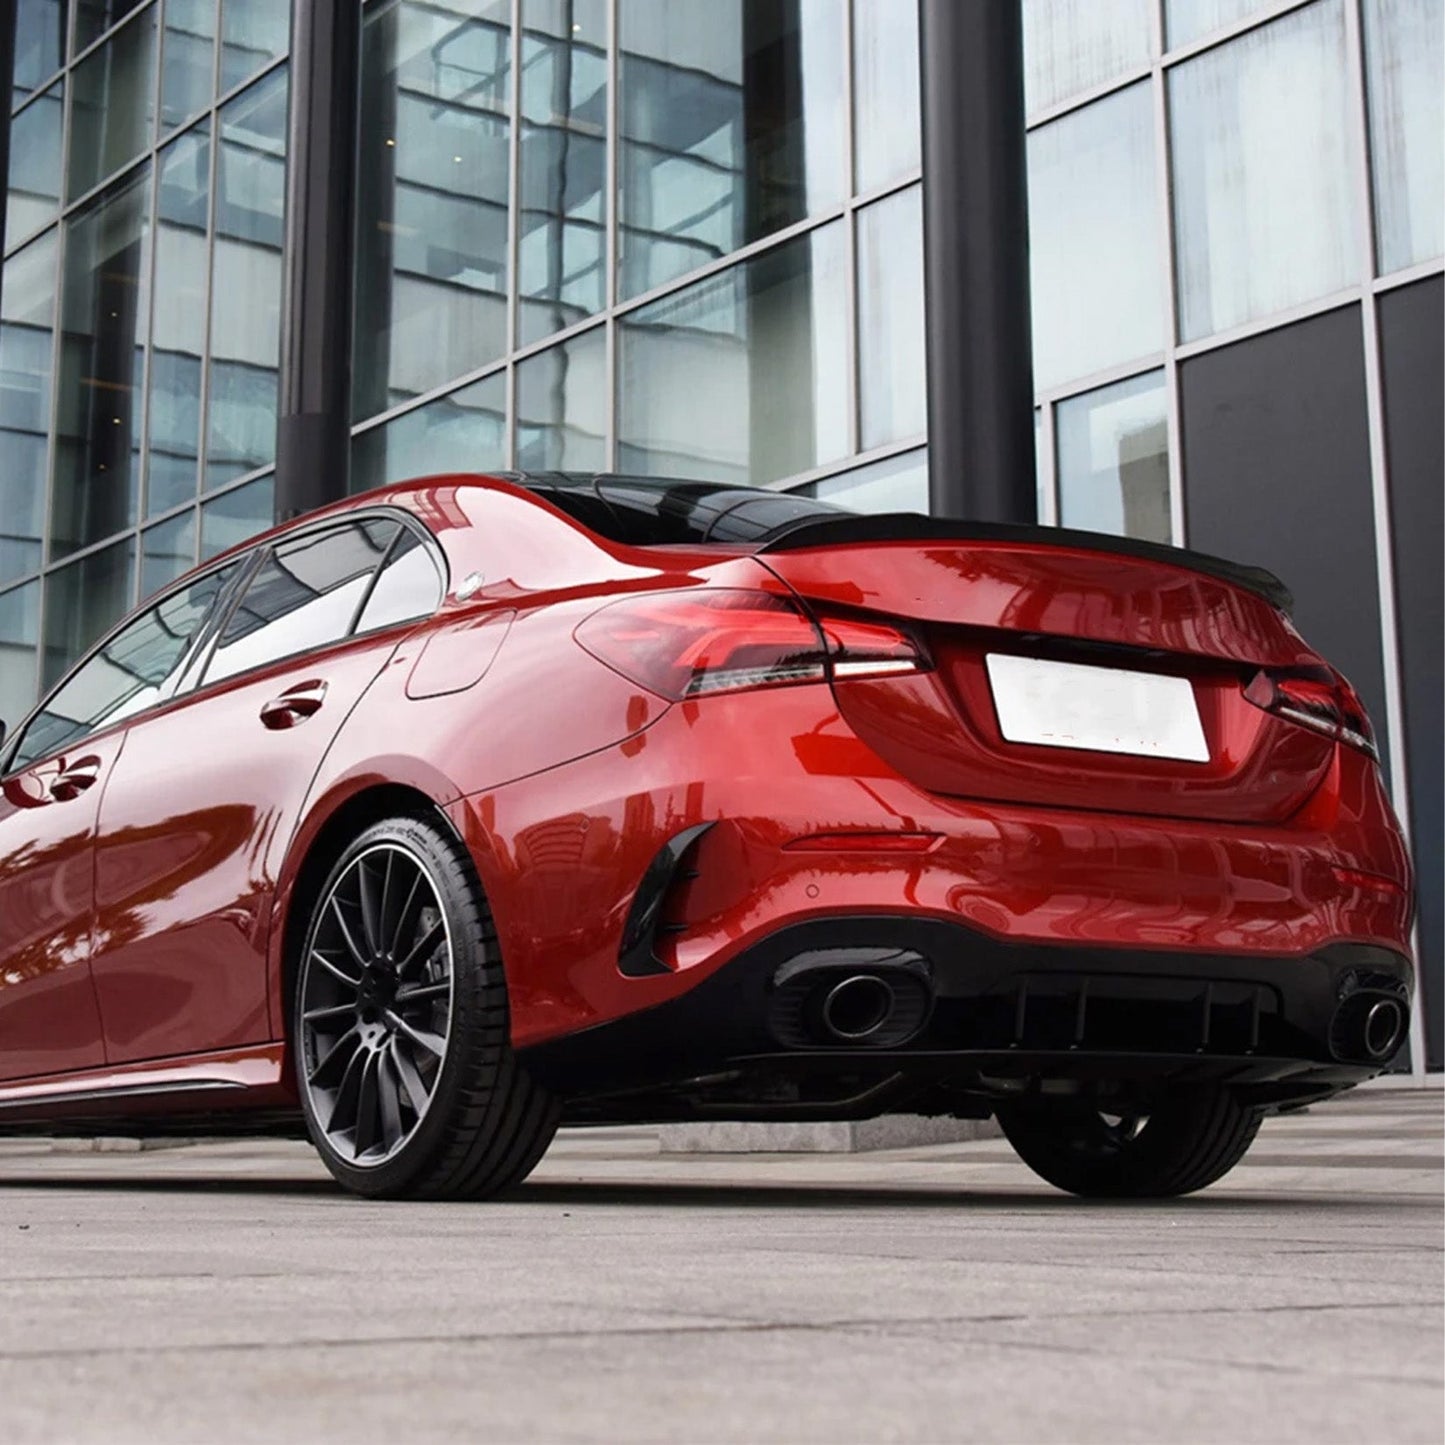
565 779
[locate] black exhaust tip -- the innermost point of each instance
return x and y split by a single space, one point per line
876 998
858 1007
1369 1027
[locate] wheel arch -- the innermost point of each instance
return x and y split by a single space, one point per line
313 854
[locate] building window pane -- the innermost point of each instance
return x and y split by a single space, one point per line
234 516
890 319
896 484
112 97
431 272
105 304
1094 229
1187 20
1071 46
562 407
81 601
39 45
744 376
561 258
178 328
27 308
253 34
19 639
887 131
167 550
94 17
732 127
1113 448
34 166
463 432
1264 175
246 282
186 59
1405 56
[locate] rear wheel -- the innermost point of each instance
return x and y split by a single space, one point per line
1187 1140
406 1074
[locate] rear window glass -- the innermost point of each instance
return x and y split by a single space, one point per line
645 511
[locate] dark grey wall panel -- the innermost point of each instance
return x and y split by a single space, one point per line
1412 353
1277 471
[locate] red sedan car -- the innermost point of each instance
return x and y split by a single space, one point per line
478 804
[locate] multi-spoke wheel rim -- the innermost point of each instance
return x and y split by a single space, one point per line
376 1004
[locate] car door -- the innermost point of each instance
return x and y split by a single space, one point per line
56 772
198 813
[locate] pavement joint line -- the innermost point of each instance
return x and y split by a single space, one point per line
723 1326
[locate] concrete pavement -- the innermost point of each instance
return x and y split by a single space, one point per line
227 1292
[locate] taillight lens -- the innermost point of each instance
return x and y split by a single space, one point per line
689 644
1325 705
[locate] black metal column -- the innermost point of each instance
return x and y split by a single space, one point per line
313 428
8 13
976 261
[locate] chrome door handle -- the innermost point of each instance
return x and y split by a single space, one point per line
71 782
293 706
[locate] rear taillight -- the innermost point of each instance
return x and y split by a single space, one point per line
1327 705
689 644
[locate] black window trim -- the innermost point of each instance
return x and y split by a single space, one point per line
190 672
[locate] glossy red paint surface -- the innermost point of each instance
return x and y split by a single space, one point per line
149 918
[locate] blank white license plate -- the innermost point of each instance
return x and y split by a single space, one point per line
1099 709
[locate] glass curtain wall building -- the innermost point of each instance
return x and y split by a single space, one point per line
684 236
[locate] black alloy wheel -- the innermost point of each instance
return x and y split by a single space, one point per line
1188 1139
406 1075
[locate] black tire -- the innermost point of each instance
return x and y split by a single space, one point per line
1190 1138
458 1118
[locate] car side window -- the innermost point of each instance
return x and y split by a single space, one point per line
126 674
303 596
409 586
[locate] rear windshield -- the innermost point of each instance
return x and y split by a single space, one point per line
643 511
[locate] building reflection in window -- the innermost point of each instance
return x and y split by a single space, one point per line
562 406
463 432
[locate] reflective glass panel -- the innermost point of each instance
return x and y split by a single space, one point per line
19 640
187 52
127 675
562 407
1264 173
1405 58
431 266
893 398
732 123
253 33
561 260
888 133
237 515
246 283
94 17
896 484
409 586
27 310
742 377
463 432
39 44
34 166
112 104
81 601
104 311
178 335
1071 46
1113 449
304 596
167 550
1096 257
1186 20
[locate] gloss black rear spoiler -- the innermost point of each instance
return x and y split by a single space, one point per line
846 531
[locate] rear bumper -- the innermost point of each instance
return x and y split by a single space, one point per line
999 1018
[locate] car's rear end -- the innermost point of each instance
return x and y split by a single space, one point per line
948 817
